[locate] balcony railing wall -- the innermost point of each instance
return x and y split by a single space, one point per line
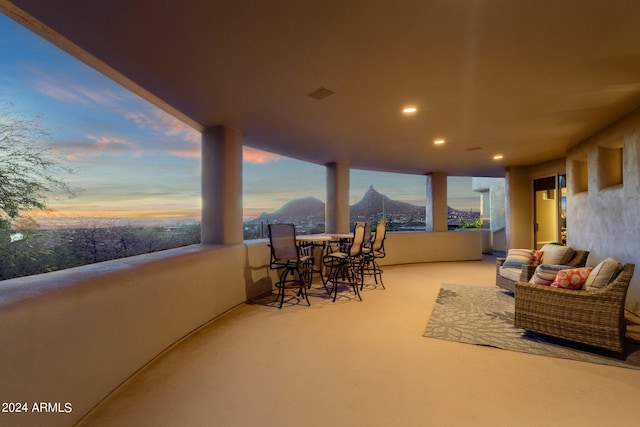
76 335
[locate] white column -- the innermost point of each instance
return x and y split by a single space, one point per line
221 186
437 215
337 206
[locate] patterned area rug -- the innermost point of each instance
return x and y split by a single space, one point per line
484 316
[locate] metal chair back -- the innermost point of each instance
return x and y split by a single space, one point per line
358 239
282 240
381 233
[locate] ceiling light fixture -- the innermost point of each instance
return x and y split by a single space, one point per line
498 157
409 110
439 141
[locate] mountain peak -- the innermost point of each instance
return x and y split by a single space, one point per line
372 192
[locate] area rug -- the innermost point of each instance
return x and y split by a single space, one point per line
484 316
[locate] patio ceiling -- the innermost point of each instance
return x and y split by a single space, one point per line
525 79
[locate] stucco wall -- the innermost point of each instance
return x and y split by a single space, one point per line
75 335
602 218
414 247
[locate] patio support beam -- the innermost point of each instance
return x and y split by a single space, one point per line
337 206
221 186
437 215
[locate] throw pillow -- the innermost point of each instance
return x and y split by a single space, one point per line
572 278
556 254
537 258
603 273
545 274
516 258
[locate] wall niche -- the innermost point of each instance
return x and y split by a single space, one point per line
579 176
610 165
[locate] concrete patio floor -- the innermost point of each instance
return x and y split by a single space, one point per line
366 363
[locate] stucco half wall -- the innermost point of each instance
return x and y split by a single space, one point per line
415 247
74 336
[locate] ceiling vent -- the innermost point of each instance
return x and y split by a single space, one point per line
321 93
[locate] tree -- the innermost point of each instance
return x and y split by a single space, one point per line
29 171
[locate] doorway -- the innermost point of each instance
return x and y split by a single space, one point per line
550 209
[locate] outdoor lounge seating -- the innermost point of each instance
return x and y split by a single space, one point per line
508 274
593 316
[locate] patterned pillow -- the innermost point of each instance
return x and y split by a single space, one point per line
537 258
603 273
516 258
573 278
545 274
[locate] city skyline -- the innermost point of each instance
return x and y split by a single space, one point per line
132 160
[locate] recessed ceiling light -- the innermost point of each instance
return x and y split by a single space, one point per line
409 110
498 157
439 141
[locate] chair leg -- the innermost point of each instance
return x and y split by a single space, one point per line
336 273
355 284
303 285
377 272
373 269
361 275
332 276
350 275
281 286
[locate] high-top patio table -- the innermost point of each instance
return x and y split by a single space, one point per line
317 240
343 239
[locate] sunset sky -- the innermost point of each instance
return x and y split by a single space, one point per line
132 160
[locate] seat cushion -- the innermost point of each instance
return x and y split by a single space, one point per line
603 273
511 273
556 254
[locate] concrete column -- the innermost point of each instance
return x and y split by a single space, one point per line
221 186
337 206
519 208
437 215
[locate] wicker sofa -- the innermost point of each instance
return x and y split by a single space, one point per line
594 317
579 260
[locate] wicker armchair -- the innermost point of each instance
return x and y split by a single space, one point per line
594 317
579 260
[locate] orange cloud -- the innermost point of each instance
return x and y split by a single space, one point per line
89 211
252 155
193 152
165 124
104 141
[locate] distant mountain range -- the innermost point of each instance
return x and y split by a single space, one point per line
306 207
372 205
